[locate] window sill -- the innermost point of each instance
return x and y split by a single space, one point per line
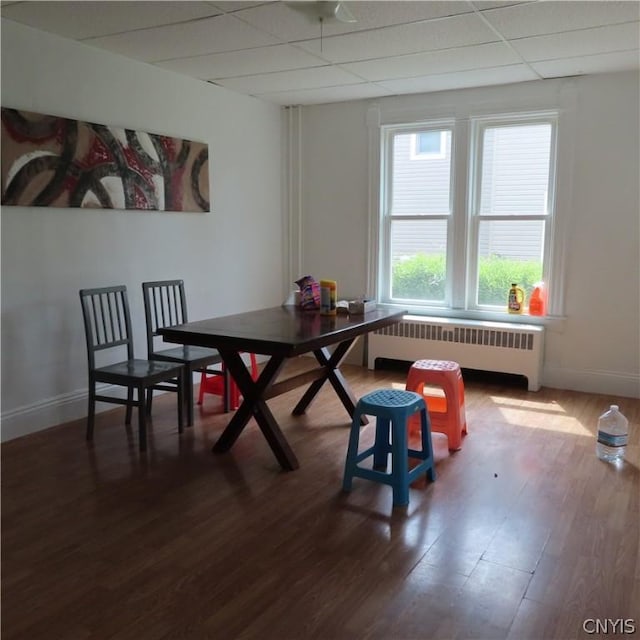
555 323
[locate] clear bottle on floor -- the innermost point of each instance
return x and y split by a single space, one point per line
613 434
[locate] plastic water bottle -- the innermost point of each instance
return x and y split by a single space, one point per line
613 434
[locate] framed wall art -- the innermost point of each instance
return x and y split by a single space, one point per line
49 161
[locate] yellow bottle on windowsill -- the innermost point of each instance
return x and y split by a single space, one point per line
516 299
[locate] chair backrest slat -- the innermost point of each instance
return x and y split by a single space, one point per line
165 305
111 318
107 321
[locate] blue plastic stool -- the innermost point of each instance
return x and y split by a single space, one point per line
392 408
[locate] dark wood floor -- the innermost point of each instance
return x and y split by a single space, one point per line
524 535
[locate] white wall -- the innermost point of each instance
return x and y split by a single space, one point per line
597 346
230 259
334 185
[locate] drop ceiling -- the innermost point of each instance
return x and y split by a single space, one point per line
275 53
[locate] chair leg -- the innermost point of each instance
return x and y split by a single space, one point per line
203 377
127 418
149 401
142 420
227 390
181 400
188 393
235 395
91 413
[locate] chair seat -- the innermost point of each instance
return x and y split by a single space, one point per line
189 354
139 369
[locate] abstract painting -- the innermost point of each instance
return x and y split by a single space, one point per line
48 161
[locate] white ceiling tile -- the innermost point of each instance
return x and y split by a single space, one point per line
420 64
494 4
235 5
619 37
328 94
267 49
537 18
601 63
300 79
380 14
292 25
285 23
481 77
81 20
409 38
279 57
210 35
387 13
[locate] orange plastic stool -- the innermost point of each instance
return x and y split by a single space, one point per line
447 414
215 385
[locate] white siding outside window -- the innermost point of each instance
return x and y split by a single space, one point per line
419 209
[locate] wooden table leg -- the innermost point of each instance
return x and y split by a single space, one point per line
253 405
330 362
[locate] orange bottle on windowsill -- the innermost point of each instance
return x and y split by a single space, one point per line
538 301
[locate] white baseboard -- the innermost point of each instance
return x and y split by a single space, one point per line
613 383
51 412
58 410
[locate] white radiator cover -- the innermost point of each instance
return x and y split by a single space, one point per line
488 346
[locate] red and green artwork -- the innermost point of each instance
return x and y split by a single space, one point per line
48 161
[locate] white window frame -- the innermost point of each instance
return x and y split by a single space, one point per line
478 127
463 227
387 132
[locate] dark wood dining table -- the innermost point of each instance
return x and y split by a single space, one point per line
281 333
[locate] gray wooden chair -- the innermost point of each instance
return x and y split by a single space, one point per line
165 305
107 325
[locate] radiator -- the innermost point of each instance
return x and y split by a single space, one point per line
487 346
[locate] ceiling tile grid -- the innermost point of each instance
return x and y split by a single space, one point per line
282 54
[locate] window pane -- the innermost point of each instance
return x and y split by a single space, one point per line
428 142
515 170
418 259
508 251
420 184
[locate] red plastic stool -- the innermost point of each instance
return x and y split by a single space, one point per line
215 385
447 414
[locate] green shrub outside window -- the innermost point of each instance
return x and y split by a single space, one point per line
422 277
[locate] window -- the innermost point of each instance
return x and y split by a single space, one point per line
428 144
456 232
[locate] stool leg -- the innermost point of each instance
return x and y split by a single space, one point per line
400 463
427 445
352 452
461 409
381 446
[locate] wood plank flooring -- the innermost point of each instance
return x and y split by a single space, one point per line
524 535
